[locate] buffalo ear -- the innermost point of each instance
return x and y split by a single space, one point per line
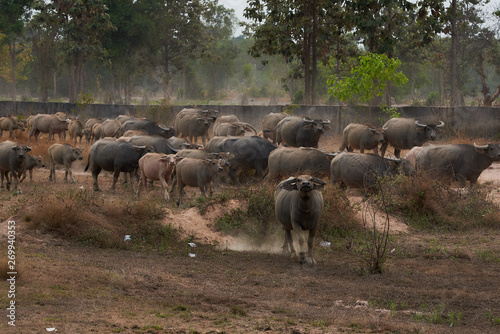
318 184
289 184
374 131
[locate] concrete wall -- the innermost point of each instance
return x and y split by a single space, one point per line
471 121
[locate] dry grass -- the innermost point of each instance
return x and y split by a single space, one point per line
430 203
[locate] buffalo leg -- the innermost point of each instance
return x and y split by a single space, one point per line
70 172
116 174
310 246
383 148
287 247
164 184
300 234
52 171
95 174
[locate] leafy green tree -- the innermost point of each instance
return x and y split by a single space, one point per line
13 16
368 80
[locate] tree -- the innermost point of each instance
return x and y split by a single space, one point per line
82 26
368 80
220 51
125 47
176 34
12 18
42 31
297 30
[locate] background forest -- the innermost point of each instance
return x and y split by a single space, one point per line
186 52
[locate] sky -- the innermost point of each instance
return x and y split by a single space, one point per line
238 6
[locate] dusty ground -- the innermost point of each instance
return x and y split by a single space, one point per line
434 282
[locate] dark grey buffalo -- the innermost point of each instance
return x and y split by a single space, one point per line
249 153
293 161
159 143
51 124
32 162
194 123
357 170
114 156
123 118
10 124
63 154
298 206
151 127
361 137
269 123
196 173
405 133
461 162
300 131
13 160
233 129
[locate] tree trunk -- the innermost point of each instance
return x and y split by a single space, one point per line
306 54
12 51
454 98
314 53
487 97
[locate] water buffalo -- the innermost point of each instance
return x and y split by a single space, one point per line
181 143
404 133
269 123
461 162
76 130
10 124
298 206
366 171
96 132
32 162
115 156
293 161
196 173
130 133
50 124
13 160
63 154
194 123
89 124
147 125
361 137
300 131
249 153
160 144
156 166
110 128
123 118
233 129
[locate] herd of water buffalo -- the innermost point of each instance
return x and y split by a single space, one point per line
286 147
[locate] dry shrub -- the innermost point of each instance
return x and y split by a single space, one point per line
100 221
430 203
339 216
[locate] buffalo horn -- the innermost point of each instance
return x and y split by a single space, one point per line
308 120
420 124
480 147
393 160
318 181
326 122
440 125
